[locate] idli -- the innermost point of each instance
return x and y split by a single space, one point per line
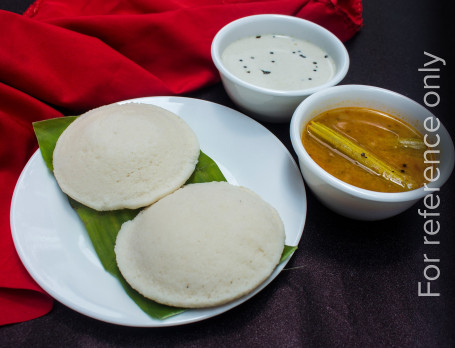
124 156
204 245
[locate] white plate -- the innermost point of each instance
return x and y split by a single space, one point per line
56 250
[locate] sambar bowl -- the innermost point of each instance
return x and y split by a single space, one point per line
349 200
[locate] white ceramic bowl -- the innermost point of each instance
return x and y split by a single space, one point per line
267 104
349 200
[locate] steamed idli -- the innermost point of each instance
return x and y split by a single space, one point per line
124 156
203 245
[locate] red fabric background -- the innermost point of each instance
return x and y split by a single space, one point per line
70 56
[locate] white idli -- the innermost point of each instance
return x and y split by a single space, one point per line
124 156
203 245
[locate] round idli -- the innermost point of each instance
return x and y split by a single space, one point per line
124 156
204 245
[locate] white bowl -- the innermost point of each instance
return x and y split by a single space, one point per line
347 199
267 104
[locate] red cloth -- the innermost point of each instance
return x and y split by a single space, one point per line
70 56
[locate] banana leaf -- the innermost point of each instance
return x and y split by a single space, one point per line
47 133
102 226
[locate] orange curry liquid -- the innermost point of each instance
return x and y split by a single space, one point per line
375 131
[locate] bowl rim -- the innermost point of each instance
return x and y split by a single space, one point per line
352 190
216 55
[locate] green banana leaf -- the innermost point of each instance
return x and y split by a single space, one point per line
47 133
103 226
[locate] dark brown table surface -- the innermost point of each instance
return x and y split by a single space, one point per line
352 284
